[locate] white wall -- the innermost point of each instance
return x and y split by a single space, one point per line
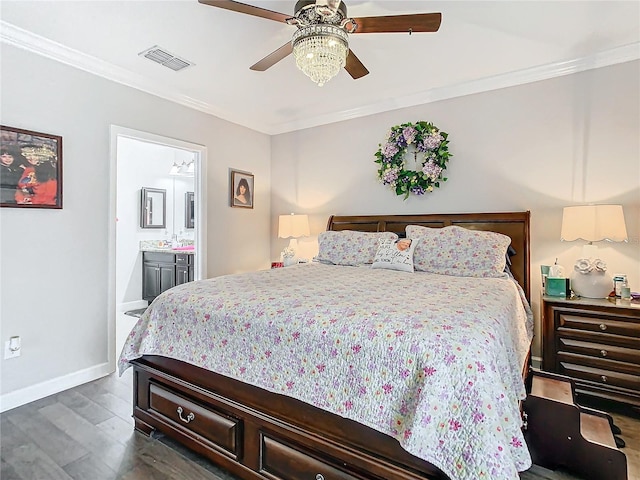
536 147
54 263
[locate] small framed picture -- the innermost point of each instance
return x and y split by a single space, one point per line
30 169
241 187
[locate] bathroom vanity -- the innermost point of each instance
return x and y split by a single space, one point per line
162 270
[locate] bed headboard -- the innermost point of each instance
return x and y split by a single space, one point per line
512 224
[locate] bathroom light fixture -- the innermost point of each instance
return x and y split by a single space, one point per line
175 169
185 169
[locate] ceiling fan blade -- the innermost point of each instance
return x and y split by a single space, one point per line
355 67
273 58
415 23
248 9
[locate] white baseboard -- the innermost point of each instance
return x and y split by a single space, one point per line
56 385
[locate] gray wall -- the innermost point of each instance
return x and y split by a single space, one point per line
537 147
54 263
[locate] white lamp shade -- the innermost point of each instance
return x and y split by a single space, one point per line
593 223
293 226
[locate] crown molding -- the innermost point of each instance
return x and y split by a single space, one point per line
625 53
18 37
26 40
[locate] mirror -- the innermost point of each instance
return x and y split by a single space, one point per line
153 208
189 211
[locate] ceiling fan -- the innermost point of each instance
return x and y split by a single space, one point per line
321 43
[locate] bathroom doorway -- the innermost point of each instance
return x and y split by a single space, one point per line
140 160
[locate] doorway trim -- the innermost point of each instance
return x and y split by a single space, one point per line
200 240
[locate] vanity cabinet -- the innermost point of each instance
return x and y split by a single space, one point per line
164 270
184 268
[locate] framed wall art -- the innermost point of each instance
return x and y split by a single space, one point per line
241 189
30 169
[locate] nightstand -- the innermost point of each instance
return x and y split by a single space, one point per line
596 342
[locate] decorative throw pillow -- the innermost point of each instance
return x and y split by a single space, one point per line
395 255
459 251
349 247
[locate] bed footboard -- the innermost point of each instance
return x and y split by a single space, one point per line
255 434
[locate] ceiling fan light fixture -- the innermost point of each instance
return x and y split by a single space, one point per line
321 51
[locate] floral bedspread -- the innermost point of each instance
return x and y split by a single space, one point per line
431 360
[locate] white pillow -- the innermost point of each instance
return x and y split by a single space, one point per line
350 247
459 251
395 255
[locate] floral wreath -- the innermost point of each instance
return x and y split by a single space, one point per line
429 142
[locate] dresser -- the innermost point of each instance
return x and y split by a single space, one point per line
596 342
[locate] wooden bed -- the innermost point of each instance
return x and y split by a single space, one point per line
255 434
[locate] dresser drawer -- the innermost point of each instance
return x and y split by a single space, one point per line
283 462
598 323
600 376
222 430
599 363
599 350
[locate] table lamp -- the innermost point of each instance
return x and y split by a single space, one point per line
592 223
293 227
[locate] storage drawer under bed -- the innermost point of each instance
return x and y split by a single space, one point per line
217 428
281 461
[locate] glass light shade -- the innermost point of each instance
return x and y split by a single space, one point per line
593 223
175 169
321 51
293 226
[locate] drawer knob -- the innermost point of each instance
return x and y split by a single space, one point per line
604 378
603 327
603 353
190 417
319 476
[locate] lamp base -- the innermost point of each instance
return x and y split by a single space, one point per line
594 284
288 261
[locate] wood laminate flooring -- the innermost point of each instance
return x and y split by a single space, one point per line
86 433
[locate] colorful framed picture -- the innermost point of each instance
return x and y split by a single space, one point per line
241 188
30 169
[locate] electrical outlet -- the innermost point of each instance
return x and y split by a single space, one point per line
8 351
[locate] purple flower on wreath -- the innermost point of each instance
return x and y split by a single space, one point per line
390 176
397 137
433 141
389 150
409 134
431 170
417 190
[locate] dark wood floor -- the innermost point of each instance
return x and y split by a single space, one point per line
86 433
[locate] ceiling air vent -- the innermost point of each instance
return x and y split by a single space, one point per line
169 60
